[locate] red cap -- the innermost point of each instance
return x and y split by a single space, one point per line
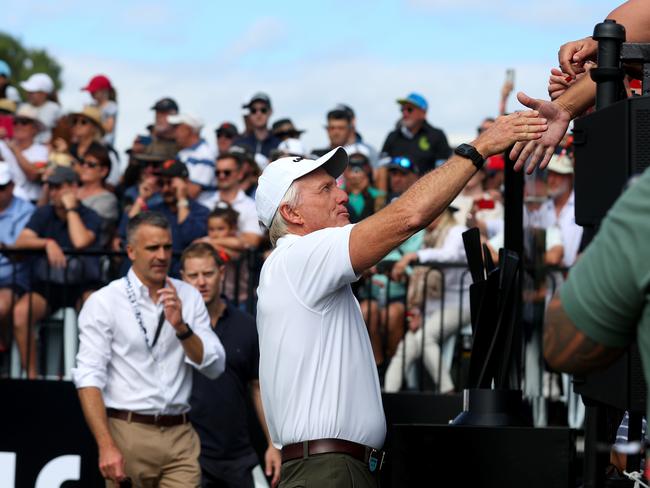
635 84
495 163
99 82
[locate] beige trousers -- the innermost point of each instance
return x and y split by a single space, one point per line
158 457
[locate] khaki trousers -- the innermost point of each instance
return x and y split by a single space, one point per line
158 457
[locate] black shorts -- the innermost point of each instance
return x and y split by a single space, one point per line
60 296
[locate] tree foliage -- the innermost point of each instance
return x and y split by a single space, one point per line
24 61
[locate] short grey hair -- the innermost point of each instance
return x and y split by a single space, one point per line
278 226
155 219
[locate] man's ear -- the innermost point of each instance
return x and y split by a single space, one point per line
290 215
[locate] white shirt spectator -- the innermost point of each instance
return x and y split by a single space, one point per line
48 113
23 188
317 372
107 111
571 232
114 357
247 222
200 162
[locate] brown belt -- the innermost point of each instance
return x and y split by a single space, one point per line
159 420
372 457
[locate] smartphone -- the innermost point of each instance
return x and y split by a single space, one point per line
510 76
484 204
7 121
144 140
126 483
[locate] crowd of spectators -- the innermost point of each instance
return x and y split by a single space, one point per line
65 189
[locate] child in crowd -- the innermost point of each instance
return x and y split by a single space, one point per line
223 236
105 97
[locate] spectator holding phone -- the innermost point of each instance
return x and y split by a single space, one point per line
41 95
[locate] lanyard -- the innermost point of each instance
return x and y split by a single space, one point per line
138 316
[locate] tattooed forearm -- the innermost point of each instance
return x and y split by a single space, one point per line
568 349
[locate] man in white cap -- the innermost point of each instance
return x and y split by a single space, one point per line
41 96
319 383
560 210
196 154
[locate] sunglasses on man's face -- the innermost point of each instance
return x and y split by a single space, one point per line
263 110
4 187
22 122
223 172
224 134
407 109
55 186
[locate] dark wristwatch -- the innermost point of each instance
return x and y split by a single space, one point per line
185 335
470 152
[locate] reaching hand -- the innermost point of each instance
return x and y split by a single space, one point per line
541 150
559 82
273 464
573 55
508 129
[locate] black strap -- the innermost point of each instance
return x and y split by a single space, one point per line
161 320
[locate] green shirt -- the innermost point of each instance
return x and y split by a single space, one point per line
608 290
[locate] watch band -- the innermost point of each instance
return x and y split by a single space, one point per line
185 335
468 151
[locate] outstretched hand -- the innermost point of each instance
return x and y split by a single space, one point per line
573 55
508 129
541 149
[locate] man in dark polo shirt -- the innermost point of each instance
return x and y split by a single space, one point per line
415 138
187 217
219 407
58 280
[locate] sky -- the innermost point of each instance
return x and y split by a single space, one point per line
211 56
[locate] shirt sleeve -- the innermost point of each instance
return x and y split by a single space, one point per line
37 221
605 293
319 264
451 251
248 221
95 336
195 225
214 356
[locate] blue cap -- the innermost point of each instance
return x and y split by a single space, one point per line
415 99
5 70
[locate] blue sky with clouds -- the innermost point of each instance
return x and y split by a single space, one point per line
212 55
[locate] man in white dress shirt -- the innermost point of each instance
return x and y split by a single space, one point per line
320 388
139 338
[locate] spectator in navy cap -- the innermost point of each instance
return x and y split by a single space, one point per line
259 140
414 137
226 134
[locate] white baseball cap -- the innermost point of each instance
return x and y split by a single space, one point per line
278 176
188 119
292 147
560 163
38 82
5 174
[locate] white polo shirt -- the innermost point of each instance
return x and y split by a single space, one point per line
317 371
200 162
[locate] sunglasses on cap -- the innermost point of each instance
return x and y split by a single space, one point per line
402 162
263 110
